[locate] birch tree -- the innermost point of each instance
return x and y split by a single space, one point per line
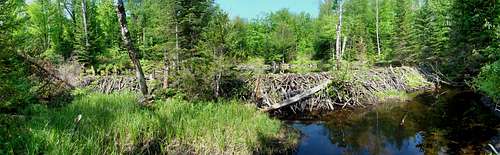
339 34
132 52
377 26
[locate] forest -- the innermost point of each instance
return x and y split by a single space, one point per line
184 77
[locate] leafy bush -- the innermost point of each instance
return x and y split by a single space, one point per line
488 80
15 87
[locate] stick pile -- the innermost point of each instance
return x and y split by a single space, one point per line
356 89
112 83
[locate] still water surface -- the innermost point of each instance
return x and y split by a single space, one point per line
454 123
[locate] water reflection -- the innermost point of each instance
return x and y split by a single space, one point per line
451 124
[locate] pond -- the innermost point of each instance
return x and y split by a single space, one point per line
449 123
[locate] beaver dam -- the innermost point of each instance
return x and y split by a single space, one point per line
325 91
331 91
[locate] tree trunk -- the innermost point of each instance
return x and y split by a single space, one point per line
339 33
166 70
343 46
132 53
378 27
177 48
144 41
85 28
217 84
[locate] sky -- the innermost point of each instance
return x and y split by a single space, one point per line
253 9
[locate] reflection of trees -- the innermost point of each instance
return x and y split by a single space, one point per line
371 131
458 123
453 124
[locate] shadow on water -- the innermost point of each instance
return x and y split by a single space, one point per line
453 123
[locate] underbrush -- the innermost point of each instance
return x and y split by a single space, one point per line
115 124
488 81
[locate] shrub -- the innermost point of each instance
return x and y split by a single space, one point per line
488 80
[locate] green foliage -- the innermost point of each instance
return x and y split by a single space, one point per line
488 80
87 54
115 124
392 94
415 80
15 87
403 41
108 23
472 32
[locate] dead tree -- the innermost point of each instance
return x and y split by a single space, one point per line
378 27
339 33
85 28
166 70
343 46
132 53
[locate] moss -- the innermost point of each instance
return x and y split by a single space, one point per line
415 80
392 94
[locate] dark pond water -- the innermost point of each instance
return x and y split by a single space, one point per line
454 123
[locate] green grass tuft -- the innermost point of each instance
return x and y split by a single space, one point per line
393 94
415 80
115 124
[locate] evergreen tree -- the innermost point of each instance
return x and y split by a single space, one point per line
472 33
15 85
403 43
86 32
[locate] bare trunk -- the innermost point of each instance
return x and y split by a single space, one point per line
144 41
343 46
377 25
122 18
177 48
85 28
217 84
166 70
339 33
70 11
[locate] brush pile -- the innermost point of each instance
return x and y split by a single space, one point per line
272 92
113 83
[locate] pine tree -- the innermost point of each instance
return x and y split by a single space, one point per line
472 33
403 31
87 32
15 85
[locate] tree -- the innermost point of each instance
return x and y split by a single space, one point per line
15 85
215 42
87 32
472 35
191 18
325 31
403 39
108 23
378 29
432 31
132 52
339 33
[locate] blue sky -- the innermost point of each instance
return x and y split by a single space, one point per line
252 9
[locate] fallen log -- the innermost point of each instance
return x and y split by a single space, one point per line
300 96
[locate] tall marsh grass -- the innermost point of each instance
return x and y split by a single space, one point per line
115 124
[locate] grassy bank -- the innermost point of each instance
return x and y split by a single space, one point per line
115 124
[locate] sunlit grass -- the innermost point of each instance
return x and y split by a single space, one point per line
115 124
394 95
